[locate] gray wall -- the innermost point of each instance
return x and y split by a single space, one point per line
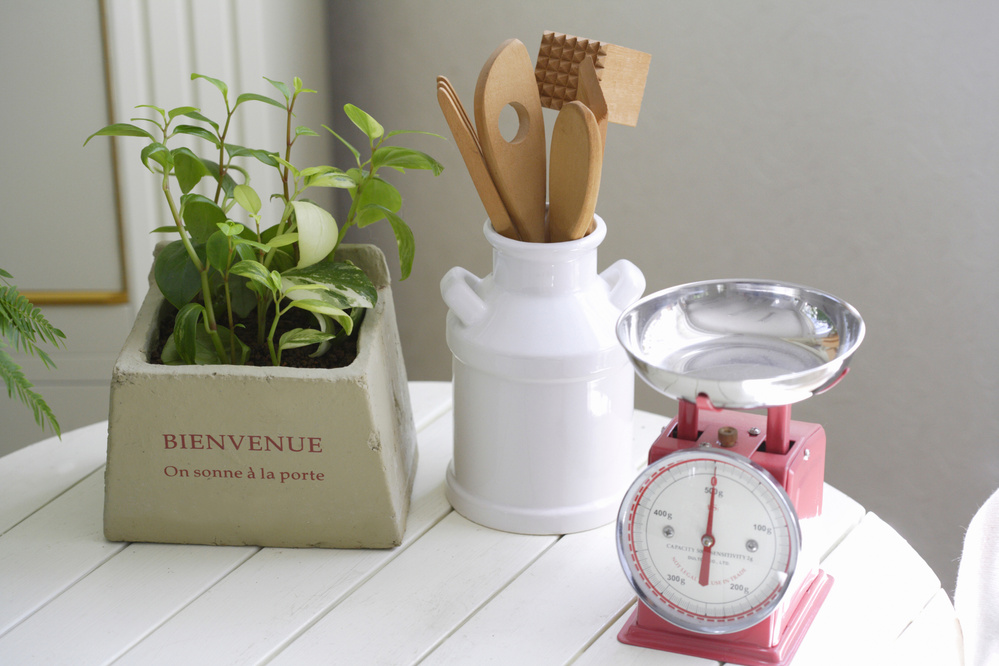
850 146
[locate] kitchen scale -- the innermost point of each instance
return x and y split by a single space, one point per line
709 534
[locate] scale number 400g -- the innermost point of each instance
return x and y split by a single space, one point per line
663 514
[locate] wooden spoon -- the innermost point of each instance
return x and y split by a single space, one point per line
468 145
517 167
576 157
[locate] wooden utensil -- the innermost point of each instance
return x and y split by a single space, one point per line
576 158
591 94
517 167
622 73
468 144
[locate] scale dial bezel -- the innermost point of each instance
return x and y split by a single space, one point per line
650 577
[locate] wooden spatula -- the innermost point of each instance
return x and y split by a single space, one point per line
591 94
575 165
517 167
468 145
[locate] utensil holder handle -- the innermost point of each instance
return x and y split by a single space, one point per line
458 290
626 282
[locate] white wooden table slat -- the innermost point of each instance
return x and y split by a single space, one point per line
106 623
880 585
61 543
933 638
300 585
551 612
420 597
453 593
30 478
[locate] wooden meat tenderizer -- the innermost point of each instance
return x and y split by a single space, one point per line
622 74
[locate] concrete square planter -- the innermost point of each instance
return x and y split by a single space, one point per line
265 456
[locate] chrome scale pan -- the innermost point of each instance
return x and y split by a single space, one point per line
742 344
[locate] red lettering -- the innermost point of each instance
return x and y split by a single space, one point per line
269 442
169 441
219 443
315 445
255 443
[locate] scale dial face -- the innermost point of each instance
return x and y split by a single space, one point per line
709 540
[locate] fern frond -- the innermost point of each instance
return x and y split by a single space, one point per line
17 383
24 324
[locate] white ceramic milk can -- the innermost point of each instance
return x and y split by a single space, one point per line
543 391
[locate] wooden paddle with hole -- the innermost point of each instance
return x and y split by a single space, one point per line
517 166
574 177
468 146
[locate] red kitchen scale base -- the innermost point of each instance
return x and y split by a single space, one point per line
793 453
748 647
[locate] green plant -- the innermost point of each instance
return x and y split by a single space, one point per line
220 271
23 327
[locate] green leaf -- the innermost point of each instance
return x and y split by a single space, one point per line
204 350
377 192
247 97
398 157
404 242
256 271
247 243
282 88
302 337
230 228
185 331
217 250
282 240
158 153
244 300
398 132
321 307
333 178
301 130
364 122
317 232
194 130
247 198
188 168
223 88
165 230
344 285
197 115
176 275
265 156
181 111
354 151
228 184
201 216
155 108
120 129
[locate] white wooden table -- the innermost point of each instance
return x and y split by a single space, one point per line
453 593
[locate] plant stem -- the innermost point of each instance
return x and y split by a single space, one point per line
222 169
275 354
202 269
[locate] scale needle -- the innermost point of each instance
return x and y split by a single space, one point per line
708 540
